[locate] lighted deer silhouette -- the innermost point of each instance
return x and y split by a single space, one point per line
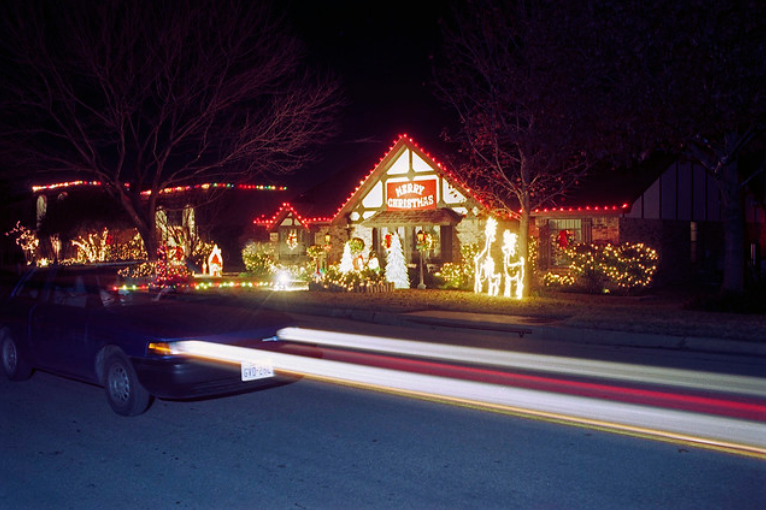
517 280
484 264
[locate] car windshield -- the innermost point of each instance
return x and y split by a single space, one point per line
97 287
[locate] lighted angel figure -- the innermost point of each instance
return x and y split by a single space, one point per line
516 280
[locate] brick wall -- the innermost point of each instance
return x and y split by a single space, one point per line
605 230
673 242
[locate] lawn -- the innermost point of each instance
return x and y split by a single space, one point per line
664 312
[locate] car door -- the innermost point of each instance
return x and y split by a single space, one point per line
17 311
59 325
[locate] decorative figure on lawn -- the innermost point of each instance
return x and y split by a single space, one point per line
484 265
517 280
346 262
493 278
215 262
373 263
396 269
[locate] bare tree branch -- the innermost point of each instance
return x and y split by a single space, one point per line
149 95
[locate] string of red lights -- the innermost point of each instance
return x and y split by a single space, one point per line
175 189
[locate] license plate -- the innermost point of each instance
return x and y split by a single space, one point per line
257 369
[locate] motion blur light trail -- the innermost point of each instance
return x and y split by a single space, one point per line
591 368
743 437
687 402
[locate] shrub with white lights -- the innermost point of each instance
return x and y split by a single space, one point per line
259 259
605 268
459 275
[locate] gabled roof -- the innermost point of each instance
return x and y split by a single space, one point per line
404 142
609 190
285 210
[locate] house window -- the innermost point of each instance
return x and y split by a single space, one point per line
562 233
435 251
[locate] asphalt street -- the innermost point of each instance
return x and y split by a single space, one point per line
316 445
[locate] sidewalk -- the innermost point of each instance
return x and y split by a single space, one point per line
534 328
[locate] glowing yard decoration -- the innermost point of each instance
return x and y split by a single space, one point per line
26 239
215 262
346 262
484 265
93 246
396 269
516 280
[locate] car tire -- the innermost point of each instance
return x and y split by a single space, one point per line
124 392
14 364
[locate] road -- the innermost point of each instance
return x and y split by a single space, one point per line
314 445
318 445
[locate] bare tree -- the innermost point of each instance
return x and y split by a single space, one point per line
519 80
544 89
147 95
700 88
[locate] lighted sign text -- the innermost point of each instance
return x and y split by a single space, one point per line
411 196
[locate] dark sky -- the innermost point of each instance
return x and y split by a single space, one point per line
380 51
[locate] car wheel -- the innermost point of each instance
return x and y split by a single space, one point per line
124 393
15 366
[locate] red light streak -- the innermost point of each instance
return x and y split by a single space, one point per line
687 402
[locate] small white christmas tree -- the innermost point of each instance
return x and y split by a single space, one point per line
346 262
396 269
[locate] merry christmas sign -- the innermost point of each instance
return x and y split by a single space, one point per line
411 196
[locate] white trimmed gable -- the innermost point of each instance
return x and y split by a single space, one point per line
413 180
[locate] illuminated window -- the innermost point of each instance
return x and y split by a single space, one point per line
561 234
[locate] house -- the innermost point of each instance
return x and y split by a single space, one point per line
408 192
215 212
670 205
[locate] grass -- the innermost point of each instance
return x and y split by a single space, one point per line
661 312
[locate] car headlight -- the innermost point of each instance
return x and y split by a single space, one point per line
162 348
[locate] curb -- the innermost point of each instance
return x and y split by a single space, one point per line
566 334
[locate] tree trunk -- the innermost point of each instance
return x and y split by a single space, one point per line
524 245
734 230
144 217
149 236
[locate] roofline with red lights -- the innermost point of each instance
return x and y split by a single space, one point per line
283 211
566 210
402 139
174 189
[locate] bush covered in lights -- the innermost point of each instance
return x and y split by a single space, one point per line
259 260
459 275
558 281
606 268
336 280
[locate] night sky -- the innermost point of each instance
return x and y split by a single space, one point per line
380 51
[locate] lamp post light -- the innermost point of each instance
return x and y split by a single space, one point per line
421 248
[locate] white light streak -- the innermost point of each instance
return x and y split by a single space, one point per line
673 377
712 431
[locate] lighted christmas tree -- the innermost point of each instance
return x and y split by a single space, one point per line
346 262
396 269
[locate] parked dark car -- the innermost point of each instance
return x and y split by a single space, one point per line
76 322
